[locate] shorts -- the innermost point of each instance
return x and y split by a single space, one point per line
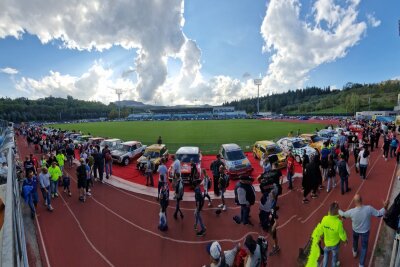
81 183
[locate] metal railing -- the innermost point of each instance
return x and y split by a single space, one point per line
14 251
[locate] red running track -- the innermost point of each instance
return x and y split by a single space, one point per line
119 228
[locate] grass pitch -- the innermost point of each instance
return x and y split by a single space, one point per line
208 135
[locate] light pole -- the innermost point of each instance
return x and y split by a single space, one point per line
258 83
119 93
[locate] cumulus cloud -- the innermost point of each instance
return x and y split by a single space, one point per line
153 27
96 84
298 46
8 70
374 22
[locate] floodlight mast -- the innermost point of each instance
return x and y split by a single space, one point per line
119 93
258 82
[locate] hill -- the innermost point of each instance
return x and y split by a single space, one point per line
351 98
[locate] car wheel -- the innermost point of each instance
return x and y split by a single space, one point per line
126 161
297 158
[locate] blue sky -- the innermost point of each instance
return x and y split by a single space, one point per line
212 58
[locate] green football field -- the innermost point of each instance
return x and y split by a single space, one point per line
208 135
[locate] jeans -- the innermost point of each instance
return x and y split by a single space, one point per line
216 188
385 152
46 195
198 219
344 184
335 252
364 245
329 179
290 179
149 177
108 169
363 171
160 185
100 169
178 209
392 151
244 214
54 186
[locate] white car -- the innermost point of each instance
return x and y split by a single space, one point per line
127 151
297 146
111 143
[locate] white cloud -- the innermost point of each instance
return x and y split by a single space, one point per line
374 22
8 70
95 84
298 46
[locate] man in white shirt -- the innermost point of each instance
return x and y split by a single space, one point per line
361 224
162 171
176 166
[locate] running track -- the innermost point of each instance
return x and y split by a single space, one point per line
119 228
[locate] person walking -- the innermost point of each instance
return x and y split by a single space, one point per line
159 140
176 167
245 197
331 174
360 217
198 196
313 175
162 179
386 146
81 174
29 192
268 217
290 169
60 160
393 146
344 173
214 167
98 166
149 172
179 191
304 161
206 186
108 161
363 160
325 152
44 181
55 174
331 228
222 185
164 202
253 250
221 258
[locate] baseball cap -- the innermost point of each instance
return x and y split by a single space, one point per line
214 249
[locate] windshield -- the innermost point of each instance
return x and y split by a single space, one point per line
152 154
123 148
317 138
273 150
235 155
299 144
186 158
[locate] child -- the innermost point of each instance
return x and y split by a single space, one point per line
66 183
89 181
206 185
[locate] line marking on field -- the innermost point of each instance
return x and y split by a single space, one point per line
84 234
42 241
380 223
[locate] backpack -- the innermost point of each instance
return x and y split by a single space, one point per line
263 243
342 169
223 181
81 170
107 156
391 217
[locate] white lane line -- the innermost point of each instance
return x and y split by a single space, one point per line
42 241
380 223
84 234
288 221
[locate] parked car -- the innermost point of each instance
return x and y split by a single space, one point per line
185 155
111 143
235 160
329 134
81 139
95 140
296 145
268 148
314 141
127 151
156 153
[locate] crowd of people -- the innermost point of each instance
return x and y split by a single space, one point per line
319 173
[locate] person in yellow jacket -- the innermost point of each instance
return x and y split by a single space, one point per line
331 227
60 160
55 174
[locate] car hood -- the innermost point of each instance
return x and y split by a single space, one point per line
118 153
235 163
309 150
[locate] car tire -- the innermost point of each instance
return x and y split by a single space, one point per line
297 158
126 161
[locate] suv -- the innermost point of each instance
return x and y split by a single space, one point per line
95 140
111 143
79 140
156 153
127 151
314 141
267 148
235 160
296 145
185 155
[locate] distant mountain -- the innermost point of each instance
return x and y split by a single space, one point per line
131 103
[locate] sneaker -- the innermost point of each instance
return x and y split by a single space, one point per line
209 203
88 194
69 194
50 208
314 196
354 254
201 233
338 263
56 194
224 208
305 201
102 181
52 195
220 205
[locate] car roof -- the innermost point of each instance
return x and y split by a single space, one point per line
96 138
292 139
155 147
130 143
231 147
188 150
307 135
265 142
112 140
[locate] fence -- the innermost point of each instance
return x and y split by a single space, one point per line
13 244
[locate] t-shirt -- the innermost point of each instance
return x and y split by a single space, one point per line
177 166
55 173
44 180
363 161
361 217
162 170
255 259
60 159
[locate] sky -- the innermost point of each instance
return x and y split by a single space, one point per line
195 51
